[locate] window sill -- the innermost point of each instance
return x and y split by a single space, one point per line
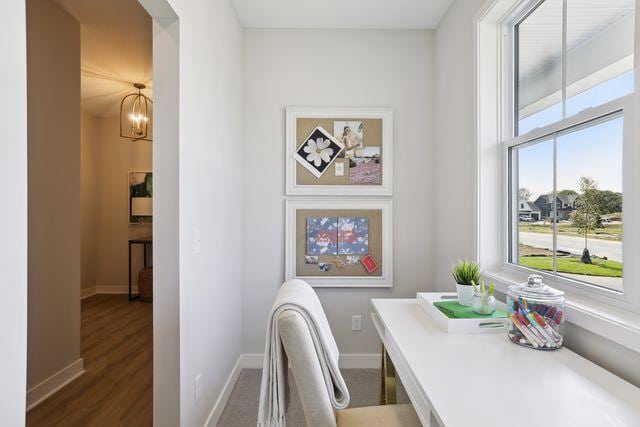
612 323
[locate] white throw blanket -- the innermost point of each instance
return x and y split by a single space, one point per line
298 296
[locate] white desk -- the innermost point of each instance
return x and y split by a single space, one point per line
485 380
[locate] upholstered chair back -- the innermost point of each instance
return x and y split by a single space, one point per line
305 364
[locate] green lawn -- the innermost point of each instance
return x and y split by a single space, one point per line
572 265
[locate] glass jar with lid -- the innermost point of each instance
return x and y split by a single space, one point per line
536 314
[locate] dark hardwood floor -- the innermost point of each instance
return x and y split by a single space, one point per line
116 389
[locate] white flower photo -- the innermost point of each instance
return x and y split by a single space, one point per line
318 151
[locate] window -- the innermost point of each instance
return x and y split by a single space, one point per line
586 184
572 72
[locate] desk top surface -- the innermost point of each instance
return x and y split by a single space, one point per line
483 379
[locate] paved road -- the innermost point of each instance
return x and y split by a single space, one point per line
575 245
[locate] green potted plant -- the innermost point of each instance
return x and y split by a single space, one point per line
466 273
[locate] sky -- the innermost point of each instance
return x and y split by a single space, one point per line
595 152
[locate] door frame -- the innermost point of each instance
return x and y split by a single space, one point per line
166 291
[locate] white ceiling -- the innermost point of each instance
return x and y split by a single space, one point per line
117 34
359 14
116 51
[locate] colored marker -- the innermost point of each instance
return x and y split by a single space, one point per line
529 328
546 337
557 318
524 330
542 326
545 310
548 329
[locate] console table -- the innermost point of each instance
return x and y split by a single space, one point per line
461 380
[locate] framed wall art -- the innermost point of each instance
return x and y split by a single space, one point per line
339 151
340 243
140 190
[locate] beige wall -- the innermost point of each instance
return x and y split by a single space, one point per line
114 158
394 68
53 60
89 199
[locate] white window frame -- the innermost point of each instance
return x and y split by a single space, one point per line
596 309
588 116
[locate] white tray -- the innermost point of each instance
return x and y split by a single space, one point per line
460 326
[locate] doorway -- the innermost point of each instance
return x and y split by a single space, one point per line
111 324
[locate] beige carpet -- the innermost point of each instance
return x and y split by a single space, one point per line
242 407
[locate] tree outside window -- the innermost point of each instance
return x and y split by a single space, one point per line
587 215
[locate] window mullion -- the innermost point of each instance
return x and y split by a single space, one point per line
515 76
586 116
514 194
554 222
564 59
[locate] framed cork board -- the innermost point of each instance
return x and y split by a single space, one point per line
339 151
340 242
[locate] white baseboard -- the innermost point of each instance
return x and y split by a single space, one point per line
251 361
360 361
40 392
223 398
87 292
254 361
115 289
106 289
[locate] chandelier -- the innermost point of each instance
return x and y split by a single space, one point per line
135 115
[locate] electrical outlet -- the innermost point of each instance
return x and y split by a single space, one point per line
198 386
356 322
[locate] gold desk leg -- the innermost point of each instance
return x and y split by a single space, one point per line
387 380
382 382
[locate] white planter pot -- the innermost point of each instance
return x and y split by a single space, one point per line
465 294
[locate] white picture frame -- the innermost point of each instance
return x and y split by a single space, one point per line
385 205
384 189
